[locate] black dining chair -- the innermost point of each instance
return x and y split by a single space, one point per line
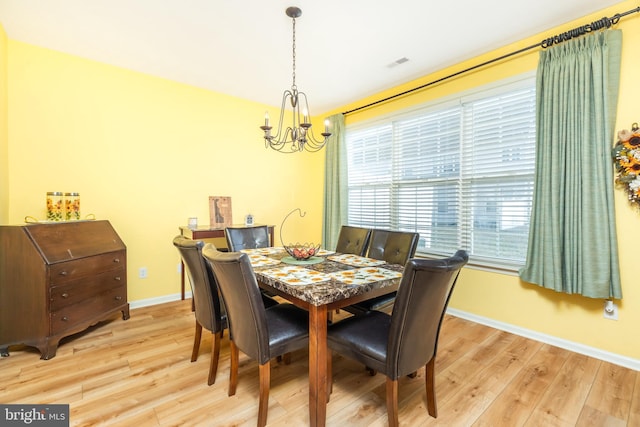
261 333
353 240
210 312
401 343
394 247
239 238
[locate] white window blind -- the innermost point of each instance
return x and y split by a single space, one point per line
461 175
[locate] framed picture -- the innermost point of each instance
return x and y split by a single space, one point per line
220 212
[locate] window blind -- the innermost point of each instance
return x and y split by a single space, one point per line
460 174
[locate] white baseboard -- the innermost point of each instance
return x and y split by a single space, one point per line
157 300
614 358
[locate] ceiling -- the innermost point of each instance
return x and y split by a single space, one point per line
345 49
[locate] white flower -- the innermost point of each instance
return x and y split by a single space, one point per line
624 135
635 184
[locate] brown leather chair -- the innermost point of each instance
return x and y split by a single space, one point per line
399 344
353 240
394 247
239 238
261 333
210 312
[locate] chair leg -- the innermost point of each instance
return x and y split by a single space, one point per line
431 387
265 379
392 402
196 342
286 358
233 369
215 355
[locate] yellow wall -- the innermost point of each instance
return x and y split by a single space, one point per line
505 298
146 153
4 143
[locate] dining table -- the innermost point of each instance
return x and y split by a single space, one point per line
325 282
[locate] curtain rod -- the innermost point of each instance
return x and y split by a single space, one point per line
568 35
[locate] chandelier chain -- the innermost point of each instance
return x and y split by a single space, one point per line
293 50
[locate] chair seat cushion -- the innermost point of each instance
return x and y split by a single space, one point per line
362 338
381 303
288 328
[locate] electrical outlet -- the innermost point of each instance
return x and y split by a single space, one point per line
610 310
142 272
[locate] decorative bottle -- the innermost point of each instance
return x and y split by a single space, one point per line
72 206
54 206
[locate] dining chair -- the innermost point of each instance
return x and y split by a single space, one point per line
401 343
261 333
394 247
353 240
239 238
209 311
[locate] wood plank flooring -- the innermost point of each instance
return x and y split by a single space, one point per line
138 373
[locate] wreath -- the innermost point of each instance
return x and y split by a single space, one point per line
626 155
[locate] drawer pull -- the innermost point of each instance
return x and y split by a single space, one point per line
65 295
117 278
65 318
63 273
116 260
118 298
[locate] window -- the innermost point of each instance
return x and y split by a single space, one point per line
460 173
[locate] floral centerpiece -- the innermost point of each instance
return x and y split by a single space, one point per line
626 155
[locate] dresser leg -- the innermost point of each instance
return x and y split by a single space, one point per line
125 313
48 350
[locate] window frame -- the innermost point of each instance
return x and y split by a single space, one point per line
457 100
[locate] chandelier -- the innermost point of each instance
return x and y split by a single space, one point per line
298 135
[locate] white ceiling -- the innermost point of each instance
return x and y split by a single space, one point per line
243 48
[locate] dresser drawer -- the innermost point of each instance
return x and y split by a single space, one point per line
72 315
71 270
81 289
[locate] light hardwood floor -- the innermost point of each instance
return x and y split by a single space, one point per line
138 373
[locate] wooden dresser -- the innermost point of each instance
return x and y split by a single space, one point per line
57 280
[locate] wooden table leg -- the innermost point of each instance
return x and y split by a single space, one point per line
317 365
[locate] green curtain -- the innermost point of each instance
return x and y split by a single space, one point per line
335 183
572 238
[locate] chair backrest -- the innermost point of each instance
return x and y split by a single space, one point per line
423 296
239 238
243 299
353 240
209 310
394 247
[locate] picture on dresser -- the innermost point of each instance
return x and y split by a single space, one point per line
220 212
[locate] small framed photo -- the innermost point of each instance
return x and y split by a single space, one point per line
220 212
